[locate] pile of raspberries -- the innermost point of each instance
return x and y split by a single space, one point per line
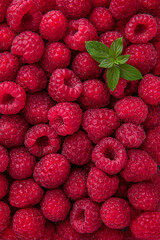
77 160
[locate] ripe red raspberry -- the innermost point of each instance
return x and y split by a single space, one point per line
143 196
100 123
23 15
100 186
140 166
46 5
21 163
109 37
75 186
55 205
65 230
102 19
28 223
65 118
77 148
74 9
12 98
150 4
146 226
3 186
105 233
101 3
152 143
53 26
56 55
94 94
16 125
85 216
32 78
9 66
153 118
149 89
80 31
49 231
141 28
116 213
131 109
52 171
4 216
85 67
42 140
29 46
130 135
37 107
25 193
64 86
4 159
6 37
9 234
123 9
142 56
109 155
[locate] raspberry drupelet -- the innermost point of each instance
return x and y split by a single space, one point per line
4 186
6 37
24 15
4 159
109 155
64 86
4 216
77 148
52 171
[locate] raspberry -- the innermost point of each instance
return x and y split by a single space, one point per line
109 37
51 23
149 89
141 28
65 118
85 67
29 46
100 186
109 155
140 166
9 66
12 98
94 94
130 135
12 130
152 143
100 123
143 196
131 109
37 107
64 86
46 5
123 9
146 226
51 171
85 216
101 3
74 9
3 186
4 159
75 186
56 55
105 233
21 163
150 4
32 78
48 231
6 37
25 193
42 140
2 10
80 31
55 206
77 148
4 216
102 19
9 234
142 56
28 223
157 37
23 15
153 118
115 213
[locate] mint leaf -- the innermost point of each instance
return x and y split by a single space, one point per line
107 63
113 75
129 72
117 47
122 59
97 50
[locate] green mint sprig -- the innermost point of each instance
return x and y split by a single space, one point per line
112 59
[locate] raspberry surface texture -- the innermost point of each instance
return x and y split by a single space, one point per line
6 37
5 215
4 159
